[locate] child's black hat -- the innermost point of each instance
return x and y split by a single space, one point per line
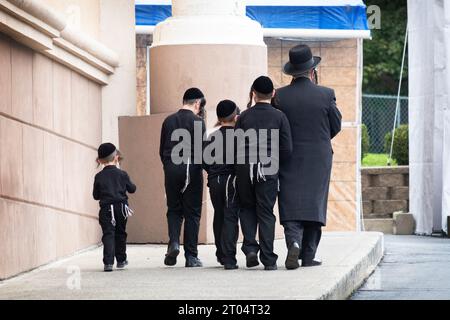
105 150
226 108
193 94
263 85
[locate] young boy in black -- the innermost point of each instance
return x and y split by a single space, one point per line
110 188
184 181
257 172
222 185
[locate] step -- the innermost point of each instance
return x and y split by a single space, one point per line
385 226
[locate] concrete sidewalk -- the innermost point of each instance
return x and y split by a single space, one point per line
348 258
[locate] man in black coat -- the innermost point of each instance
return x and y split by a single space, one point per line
184 176
258 156
305 176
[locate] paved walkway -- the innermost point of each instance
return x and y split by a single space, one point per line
412 268
348 259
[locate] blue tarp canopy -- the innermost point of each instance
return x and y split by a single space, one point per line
344 15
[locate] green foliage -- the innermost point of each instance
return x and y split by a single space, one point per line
376 160
400 151
383 54
365 141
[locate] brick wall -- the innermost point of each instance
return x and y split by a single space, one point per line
340 69
385 191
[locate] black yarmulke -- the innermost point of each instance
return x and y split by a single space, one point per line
193 94
225 108
105 150
263 85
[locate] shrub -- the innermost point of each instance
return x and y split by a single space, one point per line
400 151
365 141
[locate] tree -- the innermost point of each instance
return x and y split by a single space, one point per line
383 54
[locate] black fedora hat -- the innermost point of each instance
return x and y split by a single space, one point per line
301 60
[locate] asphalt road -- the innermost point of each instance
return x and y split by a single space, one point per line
413 268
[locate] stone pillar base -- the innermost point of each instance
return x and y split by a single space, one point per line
221 71
139 141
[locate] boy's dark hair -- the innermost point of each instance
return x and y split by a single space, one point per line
263 96
259 96
109 158
227 119
263 88
226 111
190 102
192 95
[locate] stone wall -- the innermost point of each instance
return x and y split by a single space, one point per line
67 70
340 69
384 191
50 126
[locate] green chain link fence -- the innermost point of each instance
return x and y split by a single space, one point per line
378 113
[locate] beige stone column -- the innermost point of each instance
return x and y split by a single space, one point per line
207 44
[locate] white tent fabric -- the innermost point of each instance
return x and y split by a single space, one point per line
446 119
429 114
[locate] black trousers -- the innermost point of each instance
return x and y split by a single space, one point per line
305 233
226 217
184 204
114 237
257 200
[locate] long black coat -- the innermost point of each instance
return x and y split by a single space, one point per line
305 177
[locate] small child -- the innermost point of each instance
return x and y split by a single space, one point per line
110 188
221 183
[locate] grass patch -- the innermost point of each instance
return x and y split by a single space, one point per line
376 160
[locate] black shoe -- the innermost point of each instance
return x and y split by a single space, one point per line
172 253
252 260
220 261
231 266
193 262
292 257
121 265
108 268
312 263
271 268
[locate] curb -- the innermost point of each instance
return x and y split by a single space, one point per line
357 274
